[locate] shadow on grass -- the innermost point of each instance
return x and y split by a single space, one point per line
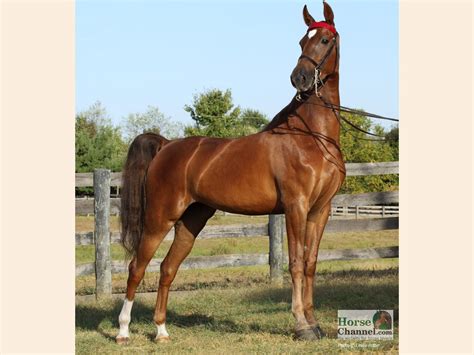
341 290
93 317
335 290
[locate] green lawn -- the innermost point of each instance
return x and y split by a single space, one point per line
236 310
227 277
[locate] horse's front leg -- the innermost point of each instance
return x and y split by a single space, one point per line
295 216
317 219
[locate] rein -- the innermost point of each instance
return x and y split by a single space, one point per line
347 110
351 110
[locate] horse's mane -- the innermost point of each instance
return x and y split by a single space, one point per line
280 117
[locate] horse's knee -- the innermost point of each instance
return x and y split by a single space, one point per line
167 273
134 275
296 268
310 267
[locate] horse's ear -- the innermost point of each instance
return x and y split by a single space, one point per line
328 14
308 19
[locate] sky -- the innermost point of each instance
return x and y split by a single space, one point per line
132 54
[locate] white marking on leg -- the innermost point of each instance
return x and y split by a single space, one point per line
124 318
312 33
161 331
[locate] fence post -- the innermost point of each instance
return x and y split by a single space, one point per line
276 233
345 210
357 212
103 273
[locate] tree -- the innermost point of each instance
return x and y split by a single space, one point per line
152 120
253 119
215 115
392 138
358 147
98 143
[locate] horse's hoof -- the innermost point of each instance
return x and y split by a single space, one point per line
318 332
163 339
122 340
305 334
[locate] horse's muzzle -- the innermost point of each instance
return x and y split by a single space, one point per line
302 79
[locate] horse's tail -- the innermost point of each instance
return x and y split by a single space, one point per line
132 210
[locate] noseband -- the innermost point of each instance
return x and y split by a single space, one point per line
317 81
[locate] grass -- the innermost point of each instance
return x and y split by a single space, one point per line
244 276
243 313
254 245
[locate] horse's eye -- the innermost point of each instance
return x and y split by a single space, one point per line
325 40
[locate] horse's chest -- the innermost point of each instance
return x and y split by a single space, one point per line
312 175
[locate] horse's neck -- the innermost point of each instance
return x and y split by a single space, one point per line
317 118
310 115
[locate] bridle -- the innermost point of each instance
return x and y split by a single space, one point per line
317 81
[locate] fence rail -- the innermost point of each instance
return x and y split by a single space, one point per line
230 260
262 229
103 205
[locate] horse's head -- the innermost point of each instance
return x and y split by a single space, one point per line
319 58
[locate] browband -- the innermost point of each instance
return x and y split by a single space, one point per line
322 25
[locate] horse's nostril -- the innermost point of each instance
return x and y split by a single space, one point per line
302 78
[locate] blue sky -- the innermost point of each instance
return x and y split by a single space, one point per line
131 54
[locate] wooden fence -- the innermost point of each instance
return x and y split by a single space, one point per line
103 205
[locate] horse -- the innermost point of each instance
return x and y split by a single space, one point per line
293 166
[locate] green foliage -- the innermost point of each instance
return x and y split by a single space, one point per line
152 120
393 139
98 143
216 116
253 120
356 148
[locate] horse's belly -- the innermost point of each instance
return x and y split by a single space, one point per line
236 192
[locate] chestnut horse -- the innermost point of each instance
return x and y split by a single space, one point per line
293 166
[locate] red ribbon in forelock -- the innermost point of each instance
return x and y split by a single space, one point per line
322 25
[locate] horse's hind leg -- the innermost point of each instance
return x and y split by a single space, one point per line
186 230
150 242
